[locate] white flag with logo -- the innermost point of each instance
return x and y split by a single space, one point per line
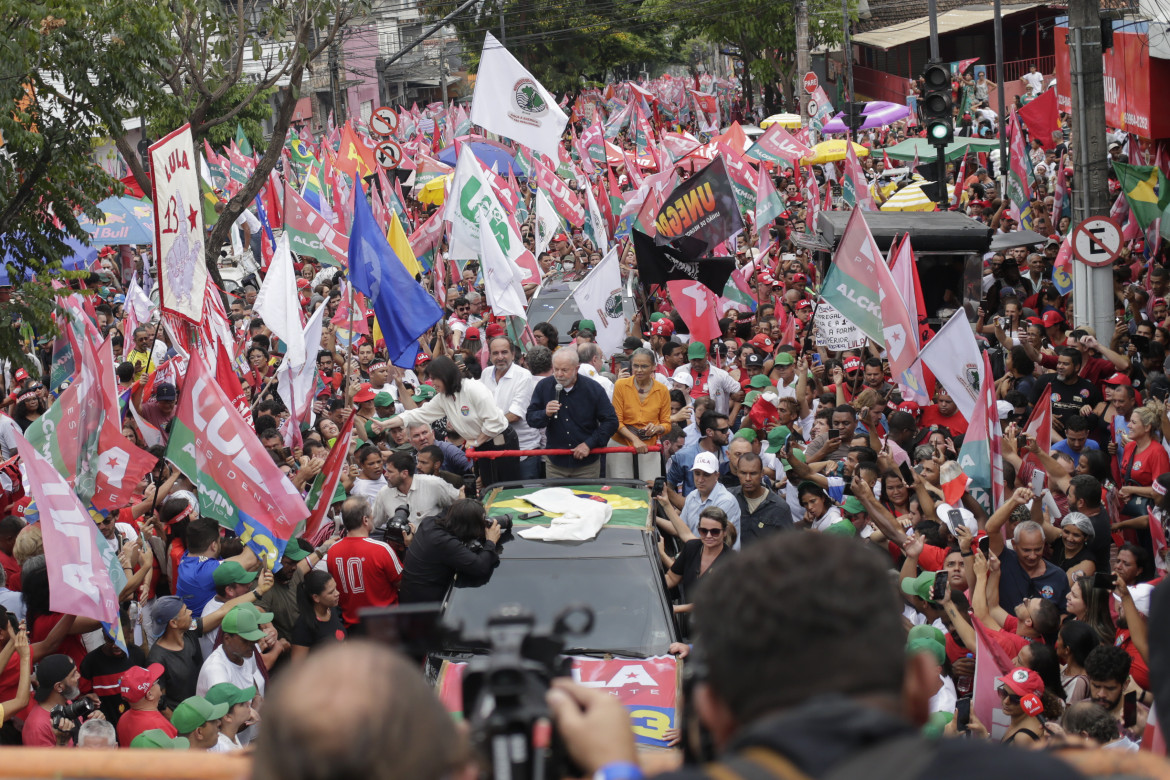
509 101
503 280
548 222
599 297
953 356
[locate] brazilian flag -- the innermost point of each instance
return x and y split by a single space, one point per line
1145 189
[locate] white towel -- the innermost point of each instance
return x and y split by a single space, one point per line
580 518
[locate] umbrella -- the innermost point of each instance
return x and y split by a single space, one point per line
127 221
80 256
912 198
488 154
434 192
789 121
1015 238
877 113
831 151
921 148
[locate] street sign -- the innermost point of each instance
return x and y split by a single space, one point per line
383 121
812 106
1096 242
388 154
811 82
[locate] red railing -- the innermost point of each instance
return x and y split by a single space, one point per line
1015 69
521 453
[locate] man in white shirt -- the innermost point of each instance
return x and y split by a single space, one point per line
591 363
234 661
512 387
1034 79
710 380
369 481
424 495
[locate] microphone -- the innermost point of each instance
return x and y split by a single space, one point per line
560 387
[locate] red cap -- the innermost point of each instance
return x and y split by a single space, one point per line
136 681
799 279
495 329
21 375
560 237
364 394
1021 681
303 284
663 327
765 278
761 341
421 358
803 303
472 333
1051 319
1157 301
910 408
1119 379
1035 320
852 364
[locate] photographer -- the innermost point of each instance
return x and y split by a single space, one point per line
56 716
463 541
424 495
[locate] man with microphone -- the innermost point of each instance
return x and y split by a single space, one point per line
577 415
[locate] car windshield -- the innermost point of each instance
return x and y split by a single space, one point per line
628 615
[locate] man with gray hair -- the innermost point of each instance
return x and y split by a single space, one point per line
577 415
1024 571
591 362
97 734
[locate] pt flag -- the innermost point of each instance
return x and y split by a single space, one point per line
980 456
309 233
328 484
239 485
178 225
953 357
700 213
509 101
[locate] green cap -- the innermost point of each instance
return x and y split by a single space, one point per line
922 645
919 586
841 528
936 724
697 349
160 740
232 573
425 393
231 695
776 438
759 381
927 632
245 621
656 316
747 434
586 325
383 398
195 711
750 398
852 506
295 553
784 359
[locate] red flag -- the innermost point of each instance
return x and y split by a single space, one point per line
353 157
1042 118
316 529
960 178
698 307
991 661
1039 427
886 160
763 415
270 194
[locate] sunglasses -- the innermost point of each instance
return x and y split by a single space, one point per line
710 531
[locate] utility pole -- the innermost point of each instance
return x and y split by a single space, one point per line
335 83
443 72
932 15
503 29
1092 287
802 64
999 88
848 51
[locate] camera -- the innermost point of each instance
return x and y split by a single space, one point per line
397 527
659 486
74 711
504 690
504 521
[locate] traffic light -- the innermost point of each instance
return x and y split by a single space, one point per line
854 119
937 103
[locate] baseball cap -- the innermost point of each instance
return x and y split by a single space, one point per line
852 506
494 329
747 434
165 391
910 407
50 671
759 381
761 341
919 586
661 328
165 609
136 681
658 315
231 695
383 398
926 645
245 621
196 710
471 333
927 632
425 393
682 375
1021 681
798 278
706 461
421 358
1051 319
776 438
364 394
295 552
160 740
21 375
785 358
852 364
753 360
803 303
1119 379
697 349
232 573
586 325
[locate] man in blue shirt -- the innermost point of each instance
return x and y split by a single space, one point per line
708 492
1076 439
577 415
195 583
714 430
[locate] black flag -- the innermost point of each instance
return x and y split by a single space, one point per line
658 265
700 213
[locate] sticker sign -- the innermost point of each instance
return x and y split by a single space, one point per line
388 154
834 332
383 121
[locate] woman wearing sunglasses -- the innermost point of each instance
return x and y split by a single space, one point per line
699 553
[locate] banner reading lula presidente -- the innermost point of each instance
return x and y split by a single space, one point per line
178 225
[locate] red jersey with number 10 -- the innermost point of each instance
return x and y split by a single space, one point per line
367 573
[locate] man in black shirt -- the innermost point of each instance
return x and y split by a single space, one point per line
1084 496
1070 393
761 512
578 415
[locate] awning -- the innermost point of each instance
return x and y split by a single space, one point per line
303 109
919 29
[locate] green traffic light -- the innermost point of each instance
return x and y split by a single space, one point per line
937 131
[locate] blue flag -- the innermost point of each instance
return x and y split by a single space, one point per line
405 310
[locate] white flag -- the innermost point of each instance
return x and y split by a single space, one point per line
296 384
548 222
509 101
502 279
596 223
278 304
953 356
599 297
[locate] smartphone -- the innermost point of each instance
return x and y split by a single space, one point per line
531 515
1129 710
955 519
834 433
939 588
1022 442
1037 482
816 359
659 486
985 546
963 714
1141 343
1103 580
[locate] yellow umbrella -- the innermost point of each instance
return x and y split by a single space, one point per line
831 151
434 192
789 121
912 198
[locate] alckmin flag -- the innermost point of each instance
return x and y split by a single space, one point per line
509 101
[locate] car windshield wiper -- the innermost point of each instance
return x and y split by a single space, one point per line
619 651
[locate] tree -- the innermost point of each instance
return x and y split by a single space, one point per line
209 84
64 81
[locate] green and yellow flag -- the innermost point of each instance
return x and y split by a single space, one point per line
1145 189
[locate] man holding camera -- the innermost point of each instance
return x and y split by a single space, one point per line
422 494
57 679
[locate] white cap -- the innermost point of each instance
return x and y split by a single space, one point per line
706 461
682 375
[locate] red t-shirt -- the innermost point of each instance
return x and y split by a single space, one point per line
134 722
1144 467
11 571
71 645
1138 670
38 729
956 423
367 573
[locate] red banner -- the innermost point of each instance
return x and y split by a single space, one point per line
563 198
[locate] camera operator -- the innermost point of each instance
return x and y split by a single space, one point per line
462 541
424 495
59 711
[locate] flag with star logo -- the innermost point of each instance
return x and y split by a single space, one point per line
178 225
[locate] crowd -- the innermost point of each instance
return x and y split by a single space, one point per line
755 446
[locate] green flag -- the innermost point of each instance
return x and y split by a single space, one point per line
1145 190
242 142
